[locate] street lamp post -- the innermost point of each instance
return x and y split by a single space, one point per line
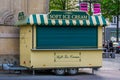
117 29
90 6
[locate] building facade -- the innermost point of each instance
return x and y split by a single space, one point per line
110 31
9 34
9 9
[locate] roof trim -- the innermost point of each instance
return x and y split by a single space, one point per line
42 19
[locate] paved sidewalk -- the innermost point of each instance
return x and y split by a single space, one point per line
111 63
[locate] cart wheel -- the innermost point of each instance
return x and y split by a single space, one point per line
73 71
59 71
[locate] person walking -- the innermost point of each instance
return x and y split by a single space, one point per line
111 46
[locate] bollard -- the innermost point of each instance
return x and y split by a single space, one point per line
112 55
107 54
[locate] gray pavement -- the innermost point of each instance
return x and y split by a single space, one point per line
85 75
111 63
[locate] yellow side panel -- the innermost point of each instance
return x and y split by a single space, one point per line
52 59
25 45
100 37
91 58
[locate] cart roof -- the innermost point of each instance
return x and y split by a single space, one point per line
42 19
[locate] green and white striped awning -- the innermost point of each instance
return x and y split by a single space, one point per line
42 19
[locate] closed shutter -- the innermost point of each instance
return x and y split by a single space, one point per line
66 37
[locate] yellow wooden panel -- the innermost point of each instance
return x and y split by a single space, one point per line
25 45
52 59
91 58
34 46
42 59
99 37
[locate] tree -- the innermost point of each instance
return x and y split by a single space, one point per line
110 8
63 4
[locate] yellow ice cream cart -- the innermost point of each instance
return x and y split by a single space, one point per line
62 41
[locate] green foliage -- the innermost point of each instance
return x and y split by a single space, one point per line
62 4
57 4
110 8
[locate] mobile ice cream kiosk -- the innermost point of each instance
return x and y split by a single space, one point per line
62 41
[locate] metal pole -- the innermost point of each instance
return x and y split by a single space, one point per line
90 7
117 29
79 4
104 34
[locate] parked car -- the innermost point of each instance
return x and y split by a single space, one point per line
116 46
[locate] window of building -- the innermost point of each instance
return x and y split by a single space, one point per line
114 20
113 35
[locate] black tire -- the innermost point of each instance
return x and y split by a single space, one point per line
96 69
59 72
72 71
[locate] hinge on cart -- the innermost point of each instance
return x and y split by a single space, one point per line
80 56
54 56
